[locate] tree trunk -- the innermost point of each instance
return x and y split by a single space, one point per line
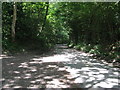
14 21
45 16
76 37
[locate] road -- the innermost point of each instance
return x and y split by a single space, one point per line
60 68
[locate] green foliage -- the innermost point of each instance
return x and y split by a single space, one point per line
30 18
83 47
94 27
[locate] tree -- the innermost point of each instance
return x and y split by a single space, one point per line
44 22
14 20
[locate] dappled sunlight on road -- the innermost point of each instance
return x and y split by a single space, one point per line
64 68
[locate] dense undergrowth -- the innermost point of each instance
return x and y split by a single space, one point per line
110 53
26 46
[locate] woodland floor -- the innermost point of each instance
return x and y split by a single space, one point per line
60 68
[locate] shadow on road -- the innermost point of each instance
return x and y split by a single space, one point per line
62 68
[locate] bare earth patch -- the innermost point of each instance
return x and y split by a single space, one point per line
62 68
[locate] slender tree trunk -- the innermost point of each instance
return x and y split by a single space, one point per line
76 37
14 21
47 7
